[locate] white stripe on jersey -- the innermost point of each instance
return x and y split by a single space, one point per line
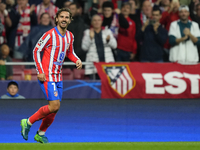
53 49
69 39
60 50
39 50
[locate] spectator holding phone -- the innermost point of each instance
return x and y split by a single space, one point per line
153 36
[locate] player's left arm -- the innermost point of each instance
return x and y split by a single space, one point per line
72 56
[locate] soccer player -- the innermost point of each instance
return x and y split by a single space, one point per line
56 44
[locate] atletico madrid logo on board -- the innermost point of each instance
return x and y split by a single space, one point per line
120 78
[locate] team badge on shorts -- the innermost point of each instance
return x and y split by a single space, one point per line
55 93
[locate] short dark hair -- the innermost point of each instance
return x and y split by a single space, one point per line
74 3
108 4
44 14
156 8
12 82
125 3
61 10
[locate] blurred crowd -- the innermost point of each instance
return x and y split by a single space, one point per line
104 30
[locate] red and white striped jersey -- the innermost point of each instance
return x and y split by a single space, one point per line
55 48
24 26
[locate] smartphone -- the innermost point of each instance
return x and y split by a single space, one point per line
152 22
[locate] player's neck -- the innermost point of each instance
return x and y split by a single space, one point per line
62 31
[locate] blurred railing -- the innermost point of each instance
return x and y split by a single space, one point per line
33 64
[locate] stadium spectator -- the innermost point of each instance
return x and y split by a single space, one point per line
195 11
146 11
6 71
109 17
77 27
5 21
184 36
12 91
36 32
126 42
9 4
168 17
46 6
98 43
135 14
153 36
66 4
22 19
164 5
97 8
171 15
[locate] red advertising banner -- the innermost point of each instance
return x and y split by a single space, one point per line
149 80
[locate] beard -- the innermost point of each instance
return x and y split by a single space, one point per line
184 18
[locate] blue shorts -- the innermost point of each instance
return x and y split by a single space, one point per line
52 90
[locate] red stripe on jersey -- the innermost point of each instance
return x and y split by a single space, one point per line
71 55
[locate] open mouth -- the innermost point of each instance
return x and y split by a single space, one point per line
64 23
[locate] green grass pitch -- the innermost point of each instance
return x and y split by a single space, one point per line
103 146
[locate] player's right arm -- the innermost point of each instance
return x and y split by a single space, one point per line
40 46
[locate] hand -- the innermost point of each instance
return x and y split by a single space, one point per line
145 25
155 27
19 9
132 56
91 33
171 8
100 11
2 62
108 38
41 77
185 37
117 11
2 7
32 8
79 64
186 31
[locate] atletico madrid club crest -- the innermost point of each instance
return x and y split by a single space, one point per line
120 78
55 93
